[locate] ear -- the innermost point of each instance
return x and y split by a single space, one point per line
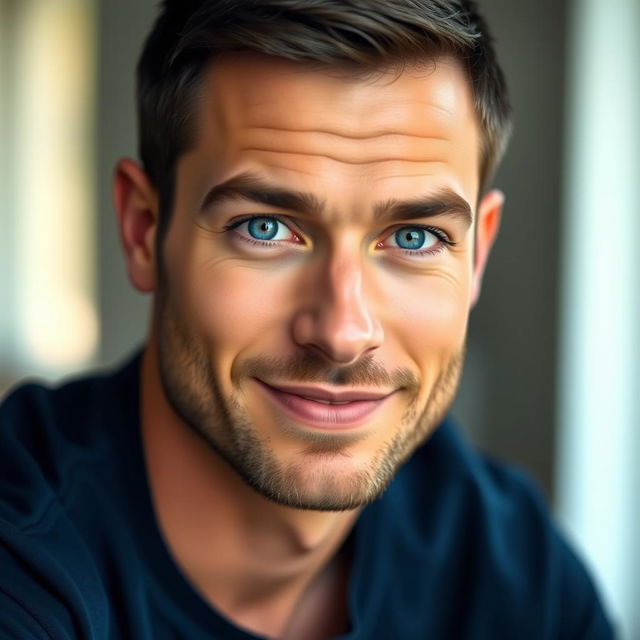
487 225
136 204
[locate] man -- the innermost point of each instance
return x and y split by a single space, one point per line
312 215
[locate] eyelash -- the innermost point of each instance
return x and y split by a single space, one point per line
438 233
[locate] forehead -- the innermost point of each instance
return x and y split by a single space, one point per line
274 116
249 86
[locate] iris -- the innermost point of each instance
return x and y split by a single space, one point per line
263 228
410 238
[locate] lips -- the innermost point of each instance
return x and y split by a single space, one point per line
325 409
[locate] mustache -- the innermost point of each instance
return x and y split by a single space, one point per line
309 367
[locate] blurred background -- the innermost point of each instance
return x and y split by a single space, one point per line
551 379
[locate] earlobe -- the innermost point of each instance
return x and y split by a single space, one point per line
136 204
488 223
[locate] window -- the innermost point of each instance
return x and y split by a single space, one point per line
48 322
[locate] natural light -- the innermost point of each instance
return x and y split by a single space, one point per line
599 443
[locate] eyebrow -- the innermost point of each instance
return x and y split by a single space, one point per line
445 202
253 188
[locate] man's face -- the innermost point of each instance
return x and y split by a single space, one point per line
317 272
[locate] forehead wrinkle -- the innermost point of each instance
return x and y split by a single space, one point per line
357 145
328 156
346 145
401 175
348 134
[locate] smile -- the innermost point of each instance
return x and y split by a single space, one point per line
322 409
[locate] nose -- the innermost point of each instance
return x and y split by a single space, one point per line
335 317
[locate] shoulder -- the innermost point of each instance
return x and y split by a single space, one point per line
485 529
53 440
48 585
447 475
46 433
448 471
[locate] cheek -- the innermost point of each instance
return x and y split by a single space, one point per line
230 306
430 316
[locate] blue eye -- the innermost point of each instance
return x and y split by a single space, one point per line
268 231
418 240
415 238
263 228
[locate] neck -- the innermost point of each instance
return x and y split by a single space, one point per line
251 558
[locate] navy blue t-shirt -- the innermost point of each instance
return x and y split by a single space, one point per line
458 547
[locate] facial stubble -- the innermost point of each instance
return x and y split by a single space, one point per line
195 394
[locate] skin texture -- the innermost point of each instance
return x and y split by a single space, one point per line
255 505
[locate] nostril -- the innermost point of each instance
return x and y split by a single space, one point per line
341 344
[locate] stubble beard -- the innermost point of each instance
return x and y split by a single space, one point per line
195 394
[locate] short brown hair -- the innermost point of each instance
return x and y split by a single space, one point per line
367 34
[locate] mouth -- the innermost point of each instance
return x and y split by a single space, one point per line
326 409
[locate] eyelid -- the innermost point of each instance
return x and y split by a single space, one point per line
237 221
